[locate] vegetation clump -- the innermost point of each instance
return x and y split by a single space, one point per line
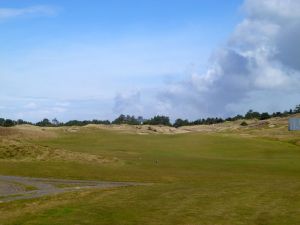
244 124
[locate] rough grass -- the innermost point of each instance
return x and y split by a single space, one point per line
197 178
16 150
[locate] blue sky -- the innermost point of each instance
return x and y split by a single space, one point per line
79 60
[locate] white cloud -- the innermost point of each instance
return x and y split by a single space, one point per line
58 109
260 59
40 10
127 103
274 10
63 104
30 105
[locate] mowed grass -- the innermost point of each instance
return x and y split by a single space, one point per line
193 179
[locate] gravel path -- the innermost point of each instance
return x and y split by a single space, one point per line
14 188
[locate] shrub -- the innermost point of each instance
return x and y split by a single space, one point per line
244 123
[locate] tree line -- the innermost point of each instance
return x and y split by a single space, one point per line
156 120
10 123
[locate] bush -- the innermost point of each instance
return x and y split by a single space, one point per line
265 116
158 120
8 123
244 123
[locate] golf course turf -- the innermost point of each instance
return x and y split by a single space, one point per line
194 179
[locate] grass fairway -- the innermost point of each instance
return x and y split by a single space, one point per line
194 179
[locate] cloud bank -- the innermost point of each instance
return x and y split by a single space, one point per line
259 67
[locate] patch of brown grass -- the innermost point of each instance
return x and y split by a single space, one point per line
19 151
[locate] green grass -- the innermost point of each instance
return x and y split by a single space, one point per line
196 179
30 188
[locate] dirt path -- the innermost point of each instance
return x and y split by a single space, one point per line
14 188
